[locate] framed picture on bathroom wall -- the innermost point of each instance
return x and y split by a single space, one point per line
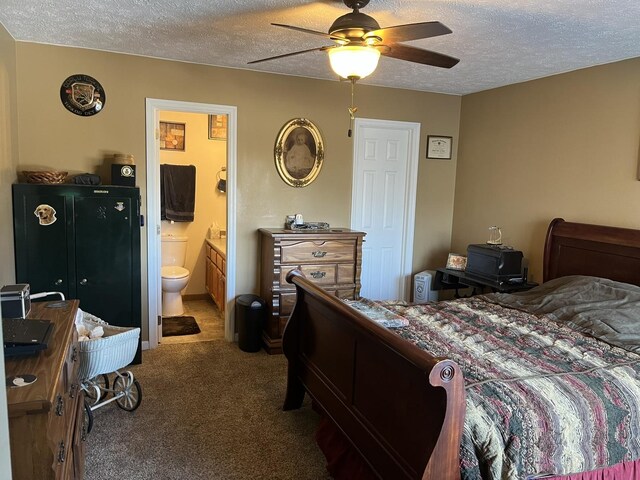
217 127
172 136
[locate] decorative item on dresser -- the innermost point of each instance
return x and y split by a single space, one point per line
330 258
46 421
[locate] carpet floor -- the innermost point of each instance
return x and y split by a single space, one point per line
185 325
209 411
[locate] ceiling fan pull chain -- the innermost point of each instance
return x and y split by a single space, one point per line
352 109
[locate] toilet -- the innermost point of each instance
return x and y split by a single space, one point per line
174 276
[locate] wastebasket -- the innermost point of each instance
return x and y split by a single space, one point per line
250 312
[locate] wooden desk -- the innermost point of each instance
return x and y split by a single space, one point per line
46 417
448 279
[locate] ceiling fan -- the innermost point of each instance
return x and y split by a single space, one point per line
359 42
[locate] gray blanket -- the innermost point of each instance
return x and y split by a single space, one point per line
607 310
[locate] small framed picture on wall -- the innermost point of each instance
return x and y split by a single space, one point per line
439 147
172 136
217 127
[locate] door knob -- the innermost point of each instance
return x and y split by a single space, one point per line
83 281
58 282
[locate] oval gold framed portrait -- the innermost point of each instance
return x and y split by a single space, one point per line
299 152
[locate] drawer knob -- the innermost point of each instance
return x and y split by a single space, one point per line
62 454
318 274
59 405
83 281
318 254
58 282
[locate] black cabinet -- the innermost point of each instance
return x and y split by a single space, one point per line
83 241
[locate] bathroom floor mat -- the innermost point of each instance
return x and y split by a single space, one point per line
173 326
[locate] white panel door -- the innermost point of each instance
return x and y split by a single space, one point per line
383 204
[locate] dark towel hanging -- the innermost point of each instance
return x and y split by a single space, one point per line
177 192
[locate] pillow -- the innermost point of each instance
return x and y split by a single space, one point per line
601 308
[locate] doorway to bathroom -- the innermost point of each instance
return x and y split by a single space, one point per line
181 134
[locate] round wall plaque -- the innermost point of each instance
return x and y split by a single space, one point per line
82 95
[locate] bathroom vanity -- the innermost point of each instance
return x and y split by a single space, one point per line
216 270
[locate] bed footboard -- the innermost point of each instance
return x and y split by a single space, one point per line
401 408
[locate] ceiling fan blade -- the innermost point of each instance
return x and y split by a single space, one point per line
289 54
411 31
306 30
418 55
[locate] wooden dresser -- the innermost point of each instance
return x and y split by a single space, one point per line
46 417
331 258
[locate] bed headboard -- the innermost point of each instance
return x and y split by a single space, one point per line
596 250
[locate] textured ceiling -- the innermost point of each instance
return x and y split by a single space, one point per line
499 42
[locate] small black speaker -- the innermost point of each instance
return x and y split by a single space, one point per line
124 175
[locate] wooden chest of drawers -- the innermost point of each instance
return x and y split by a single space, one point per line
46 418
331 258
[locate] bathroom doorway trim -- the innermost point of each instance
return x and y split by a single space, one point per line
153 108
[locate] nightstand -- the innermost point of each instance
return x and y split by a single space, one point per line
448 279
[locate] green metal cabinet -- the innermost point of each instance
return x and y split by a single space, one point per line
83 241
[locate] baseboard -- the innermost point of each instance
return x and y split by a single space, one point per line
195 296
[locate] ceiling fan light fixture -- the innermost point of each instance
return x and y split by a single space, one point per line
354 61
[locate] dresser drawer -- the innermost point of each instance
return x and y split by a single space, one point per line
64 449
346 293
320 274
58 417
318 251
287 301
220 262
72 362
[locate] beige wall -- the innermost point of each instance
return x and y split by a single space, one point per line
208 156
8 151
564 146
8 162
52 137
559 146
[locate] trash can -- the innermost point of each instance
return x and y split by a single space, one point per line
250 312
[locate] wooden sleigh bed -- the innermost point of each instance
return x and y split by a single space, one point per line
401 409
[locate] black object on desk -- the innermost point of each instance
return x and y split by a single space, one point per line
23 336
496 263
448 279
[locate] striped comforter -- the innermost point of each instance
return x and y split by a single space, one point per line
541 397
